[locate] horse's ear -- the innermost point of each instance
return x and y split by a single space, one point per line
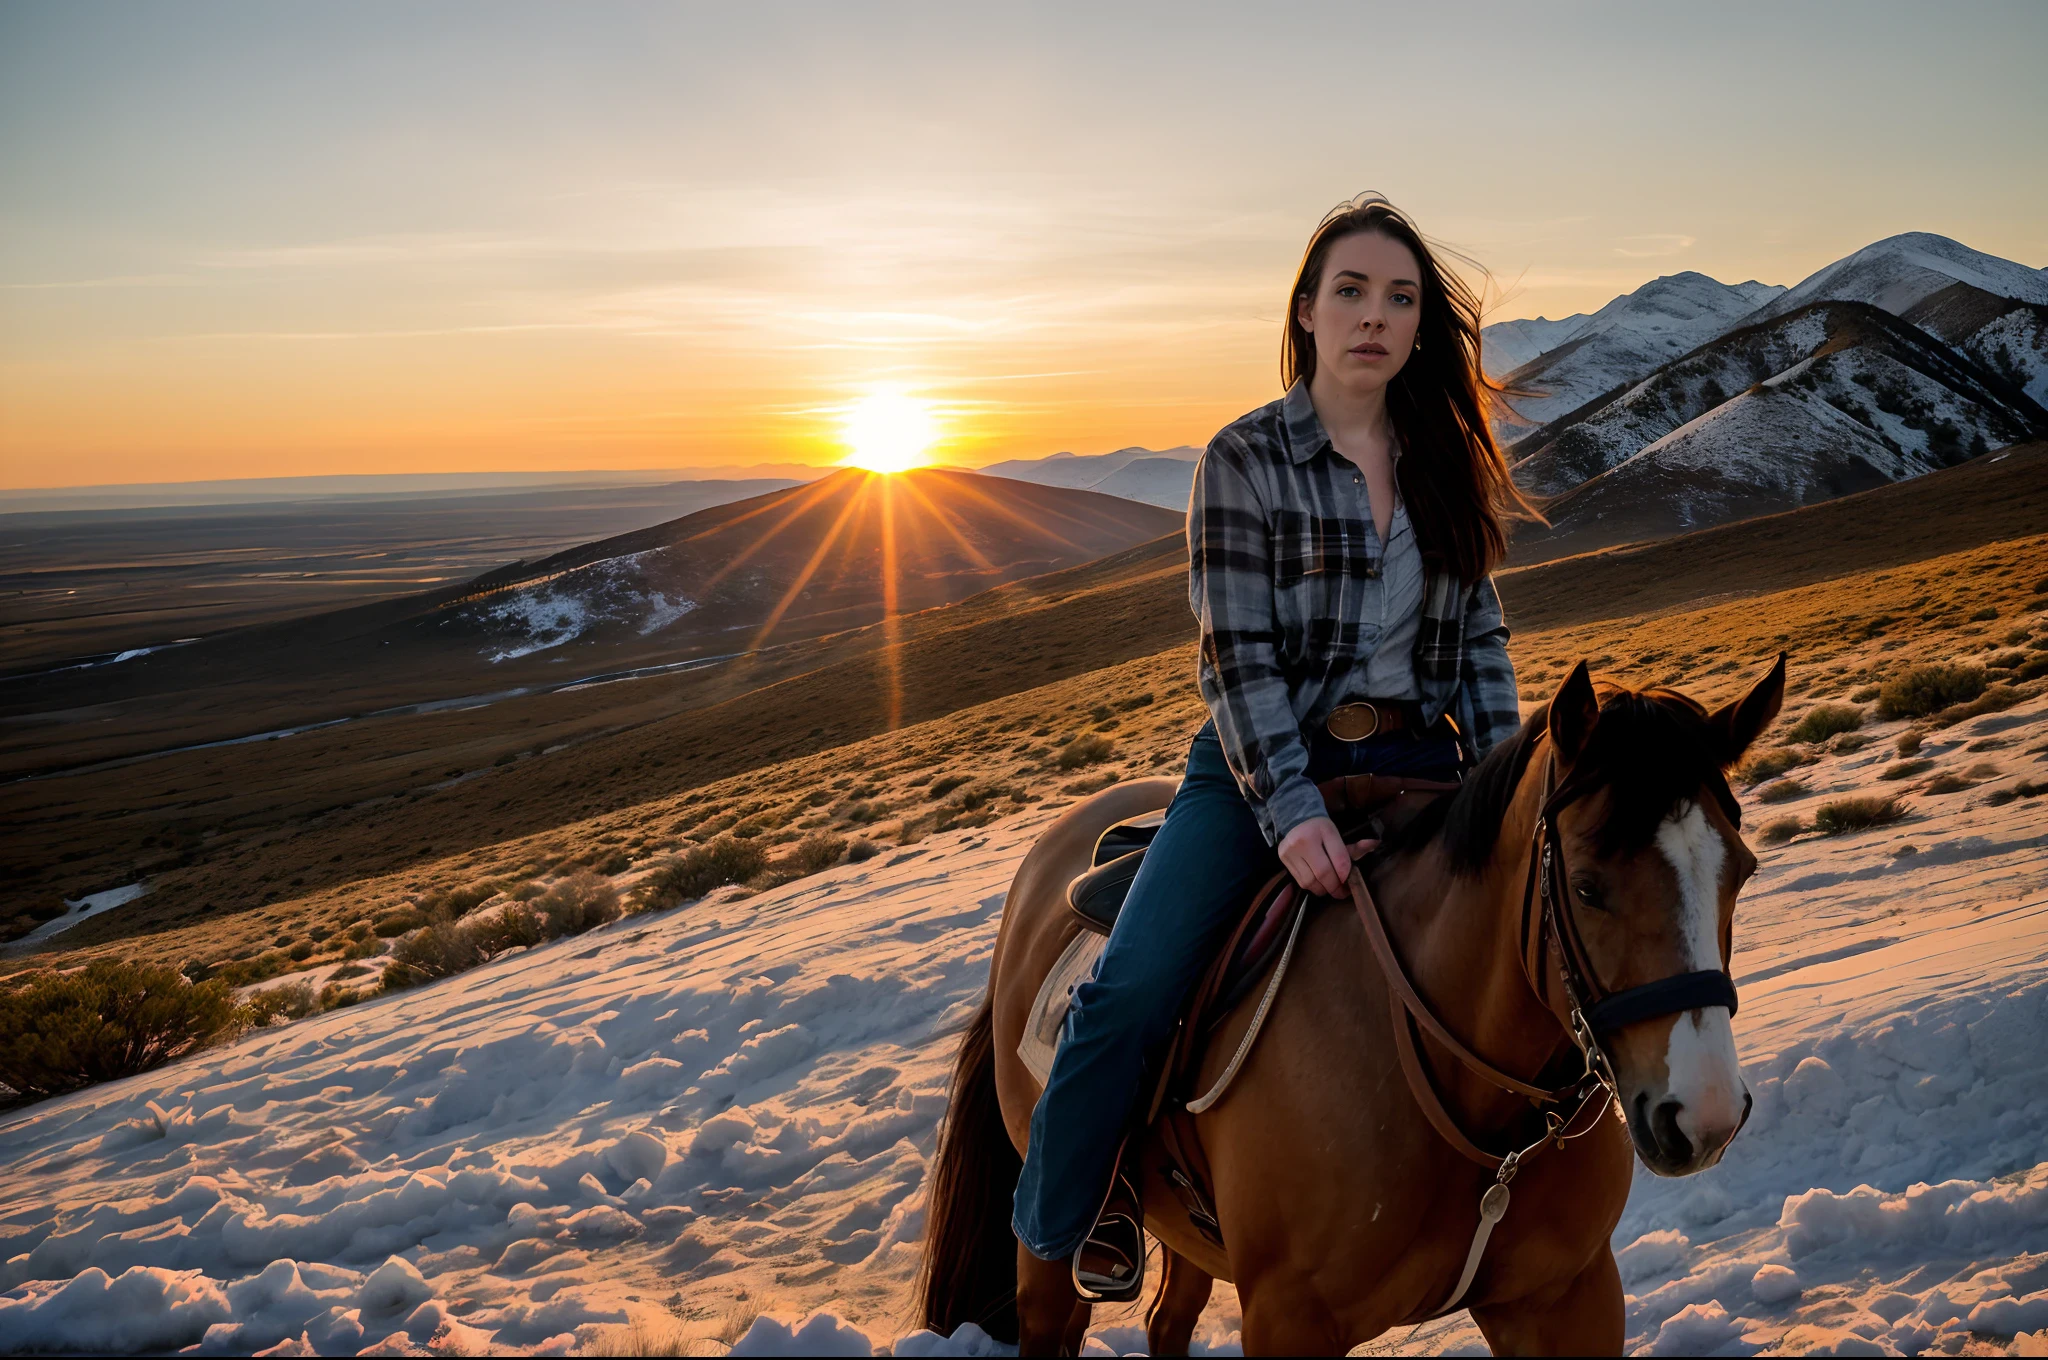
1739 724
1573 711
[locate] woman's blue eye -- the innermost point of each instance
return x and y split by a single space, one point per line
1403 299
1347 290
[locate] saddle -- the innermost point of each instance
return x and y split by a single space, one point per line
1363 806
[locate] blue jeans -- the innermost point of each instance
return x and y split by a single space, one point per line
1207 860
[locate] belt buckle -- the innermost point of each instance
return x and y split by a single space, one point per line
1344 720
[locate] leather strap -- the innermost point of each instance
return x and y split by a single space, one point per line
1665 996
1408 1001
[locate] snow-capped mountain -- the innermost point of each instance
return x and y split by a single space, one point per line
1626 426
1900 271
1582 358
1910 354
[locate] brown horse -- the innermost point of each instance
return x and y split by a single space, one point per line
1344 1210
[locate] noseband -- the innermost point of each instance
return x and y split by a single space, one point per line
1548 921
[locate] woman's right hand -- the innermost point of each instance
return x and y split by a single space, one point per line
1318 857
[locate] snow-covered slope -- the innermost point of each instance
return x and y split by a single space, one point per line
1506 345
1848 419
1628 338
1899 271
1574 452
738 1099
1163 482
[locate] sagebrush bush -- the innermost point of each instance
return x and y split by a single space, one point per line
1856 814
577 903
1825 720
1770 764
108 1019
1780 829
1084 750
277 1005
815 852
685 877
1904 769
1929 689
1780 791
454 903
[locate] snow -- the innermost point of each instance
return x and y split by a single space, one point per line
1629 338
1901 270
737 1099
92 904
545 614
2015 346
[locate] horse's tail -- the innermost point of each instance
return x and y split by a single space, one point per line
970 1254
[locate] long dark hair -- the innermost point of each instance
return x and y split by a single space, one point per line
1459 493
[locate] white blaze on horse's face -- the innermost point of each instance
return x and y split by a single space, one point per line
1702 1072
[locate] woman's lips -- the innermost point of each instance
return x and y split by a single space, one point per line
1370 351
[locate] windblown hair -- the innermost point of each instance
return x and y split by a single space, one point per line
1650 749
1453 475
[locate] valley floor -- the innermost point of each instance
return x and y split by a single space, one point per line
685 1119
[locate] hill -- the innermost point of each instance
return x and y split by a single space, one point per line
843 551
253 828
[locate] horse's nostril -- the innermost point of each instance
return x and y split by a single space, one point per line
1671 1139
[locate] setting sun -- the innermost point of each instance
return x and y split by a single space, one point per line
889 431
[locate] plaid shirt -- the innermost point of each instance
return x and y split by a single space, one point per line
1284 570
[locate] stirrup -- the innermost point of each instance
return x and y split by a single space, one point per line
1109 1267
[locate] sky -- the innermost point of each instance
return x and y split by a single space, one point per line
259 240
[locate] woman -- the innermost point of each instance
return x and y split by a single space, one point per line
1341 543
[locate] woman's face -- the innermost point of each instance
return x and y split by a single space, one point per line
1365 312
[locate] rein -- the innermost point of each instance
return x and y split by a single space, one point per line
1594 1012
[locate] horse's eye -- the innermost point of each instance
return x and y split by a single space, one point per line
1588 892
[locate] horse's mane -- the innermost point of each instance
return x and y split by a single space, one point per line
1651 747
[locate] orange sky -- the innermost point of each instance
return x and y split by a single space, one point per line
242 243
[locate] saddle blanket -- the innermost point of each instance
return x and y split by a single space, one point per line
1055 995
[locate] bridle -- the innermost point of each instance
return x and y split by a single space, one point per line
1593 1011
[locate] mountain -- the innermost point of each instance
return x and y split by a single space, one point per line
1833 398
2008 337
1593 439
1623 341
1901 271
1507 345
1158 477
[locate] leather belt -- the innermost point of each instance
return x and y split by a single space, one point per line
1362 718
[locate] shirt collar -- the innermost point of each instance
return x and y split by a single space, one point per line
1306 436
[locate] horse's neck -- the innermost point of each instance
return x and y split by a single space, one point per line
1462 937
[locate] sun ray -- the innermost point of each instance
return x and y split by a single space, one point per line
939 516
892 628
803 578
817 492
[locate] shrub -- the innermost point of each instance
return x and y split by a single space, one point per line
1947 783
1987 613
2033 668
1084 750
276 1005
1856 814
1825 720
440 950
1904 769
1864 694
1929 689
300 952
1909 742
1770 764
576 904
394 923
2025 788
456 902
109 1019
1781 790
1780 829
861 851
942 786
816 852
2006 661
1994 700
682 878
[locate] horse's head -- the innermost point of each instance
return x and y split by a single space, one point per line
1652 862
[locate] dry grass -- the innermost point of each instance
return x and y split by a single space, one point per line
1857 814
1014 741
